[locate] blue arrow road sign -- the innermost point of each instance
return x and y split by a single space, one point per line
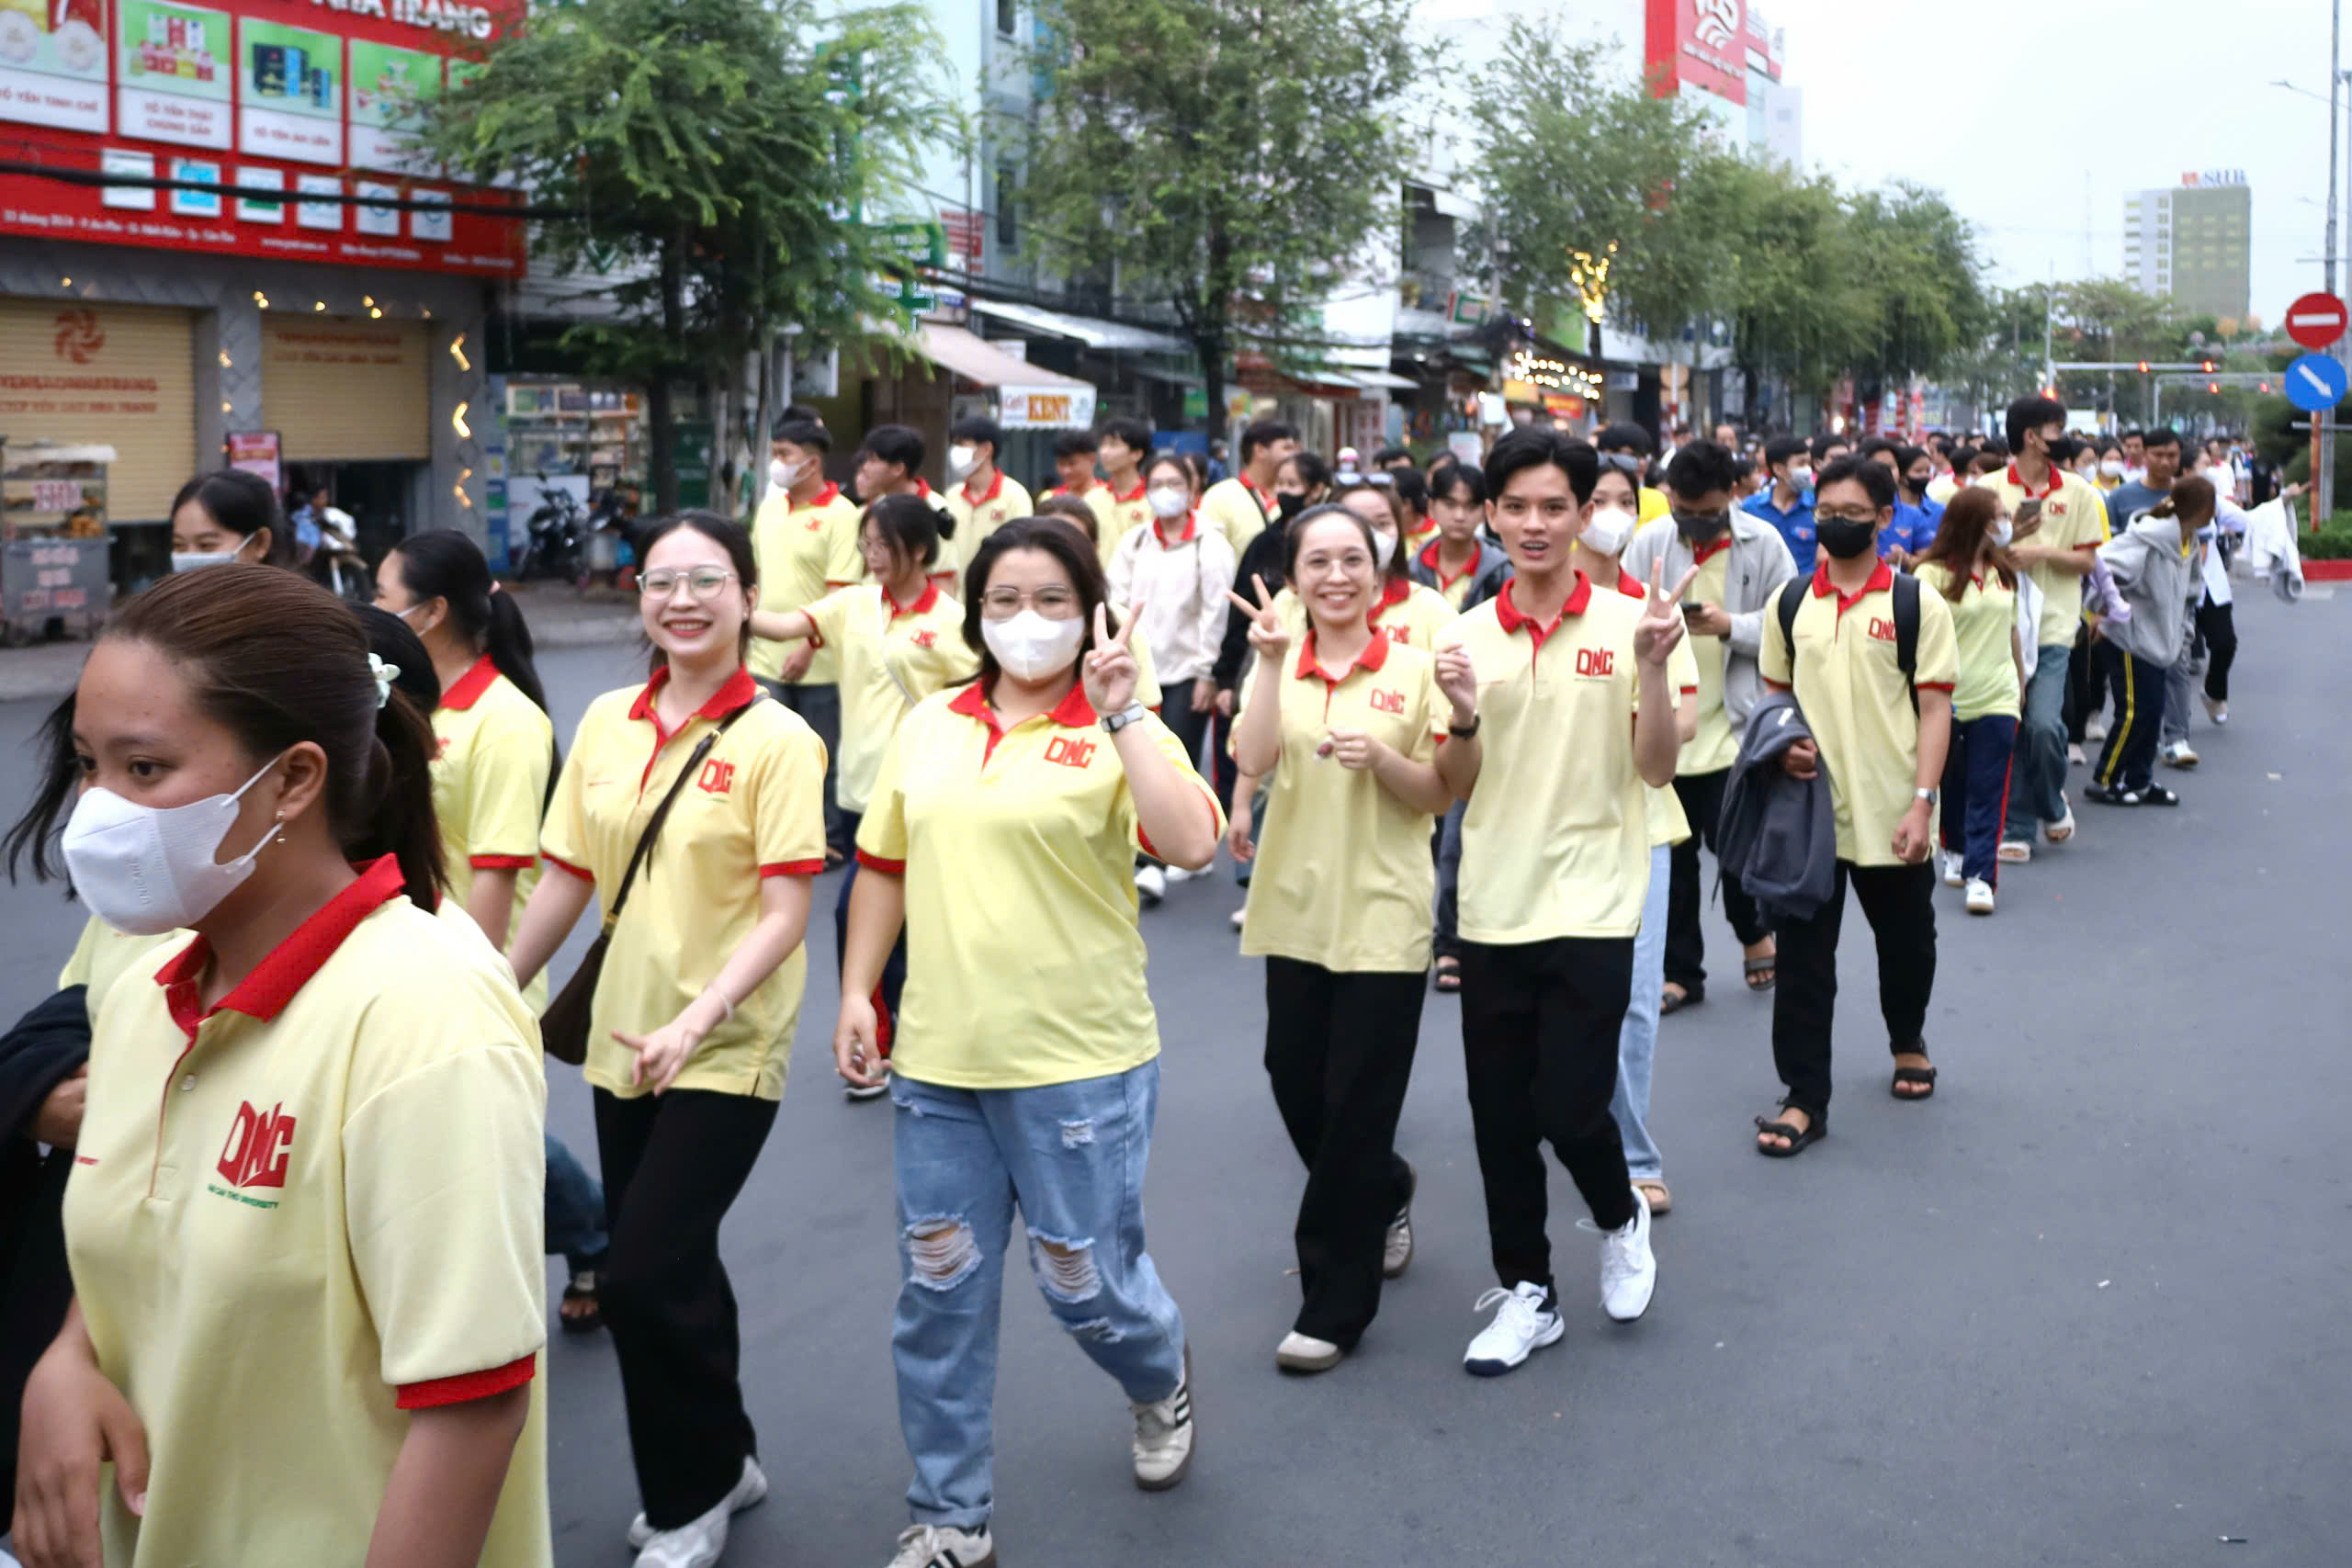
2315 382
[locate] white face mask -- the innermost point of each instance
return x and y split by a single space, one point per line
1169 500
1801 479
2001 532
1607 533
145 870
2112 467
1384 550
961 461
1028 646
784 475
189 560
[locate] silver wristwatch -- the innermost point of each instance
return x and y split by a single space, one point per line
1132 714
1923 795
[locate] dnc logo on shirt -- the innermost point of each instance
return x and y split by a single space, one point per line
259 1147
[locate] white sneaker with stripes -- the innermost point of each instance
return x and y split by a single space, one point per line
1164 1435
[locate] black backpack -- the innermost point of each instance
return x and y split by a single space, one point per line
1906 590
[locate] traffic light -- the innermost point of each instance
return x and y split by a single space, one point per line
2144 367
2213 386
2208 366
2266 387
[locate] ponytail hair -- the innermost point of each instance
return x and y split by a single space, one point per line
447 565
276 661
2192 496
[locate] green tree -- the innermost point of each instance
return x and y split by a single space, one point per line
1802 301
1232 159
1920 258
718 158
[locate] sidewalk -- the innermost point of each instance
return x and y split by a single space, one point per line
559 616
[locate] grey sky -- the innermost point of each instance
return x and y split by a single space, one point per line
1911 88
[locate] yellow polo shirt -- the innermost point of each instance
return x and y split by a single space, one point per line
2074 517
1651 505
1097 497
301 1214
1457 589
1714 747
1127 512
977 514
1557 839
1409 614
1858 704
1344 877
753 810
1240 509
1023 963
891 659
102 955
1981 623
804 552
489 784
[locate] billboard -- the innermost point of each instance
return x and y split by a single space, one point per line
271 97
1698 43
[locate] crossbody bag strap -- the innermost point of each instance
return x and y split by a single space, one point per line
661 812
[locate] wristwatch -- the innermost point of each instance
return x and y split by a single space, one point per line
1923 795
1459 733
1132 714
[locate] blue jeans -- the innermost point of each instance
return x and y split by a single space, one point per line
1447 941
1976 774
2037 774
1638 1036
575 1211
1072 1156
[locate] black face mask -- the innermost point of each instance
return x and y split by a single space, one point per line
1700 527
1843 537
1287 505
2062 450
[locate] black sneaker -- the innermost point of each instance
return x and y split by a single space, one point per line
2156 795
2101 794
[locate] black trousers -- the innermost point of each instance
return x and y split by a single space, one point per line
1339 1054
1899 903
673 1166
1686 946
1176 713
2218 626
1540 1022
2129 759
2085 694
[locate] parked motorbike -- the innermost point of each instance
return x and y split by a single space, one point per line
554 535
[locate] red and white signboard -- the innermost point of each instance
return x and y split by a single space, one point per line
1698 43
291 95
2315 321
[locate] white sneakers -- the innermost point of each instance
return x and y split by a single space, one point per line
1951 864
1152 885
2218 712
1240 917
1628 1266
1522 1326
2075 758
1177 874
698 1545
943 1545
2180 754
1304 1353
868 1091
1164 1435
1980 896
1397 1251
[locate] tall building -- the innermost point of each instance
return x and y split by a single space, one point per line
2194 241
1725 58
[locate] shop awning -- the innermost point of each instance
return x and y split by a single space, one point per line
1368 378
1028 397
1088 330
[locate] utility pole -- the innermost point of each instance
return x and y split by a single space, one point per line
2323 422
2049 306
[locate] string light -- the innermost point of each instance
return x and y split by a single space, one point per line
225 363
320 306
1589 276
457 351
463 499
65 283
261 300
458 422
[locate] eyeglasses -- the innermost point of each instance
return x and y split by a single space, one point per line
1054 601
703 583
1845 514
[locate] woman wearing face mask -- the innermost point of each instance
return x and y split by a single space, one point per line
897 638
1968 564
230 736
1180 572
1339 911
227 515
1028 794
695 1006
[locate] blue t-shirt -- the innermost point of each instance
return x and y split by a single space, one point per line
1913 529
1795 524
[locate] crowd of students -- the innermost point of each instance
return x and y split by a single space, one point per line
1465 728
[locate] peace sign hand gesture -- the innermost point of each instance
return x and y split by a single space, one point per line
1109 673
1269 639
1660 626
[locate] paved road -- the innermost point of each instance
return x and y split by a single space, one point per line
2084 1308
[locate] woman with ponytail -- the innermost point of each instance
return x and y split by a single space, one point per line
340 1149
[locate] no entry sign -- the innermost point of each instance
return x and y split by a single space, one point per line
2316 320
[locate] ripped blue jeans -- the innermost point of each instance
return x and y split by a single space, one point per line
1072 1157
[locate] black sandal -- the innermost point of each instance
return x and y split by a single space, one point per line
1814 1131
1669 1002
1449 974
582 1287
1769 966
1912 1074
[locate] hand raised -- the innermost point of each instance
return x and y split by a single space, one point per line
1268 637
1459 681
1660 626
1110 672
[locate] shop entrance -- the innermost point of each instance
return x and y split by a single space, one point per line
380 497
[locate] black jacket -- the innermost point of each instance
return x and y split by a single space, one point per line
43 1050
1263 557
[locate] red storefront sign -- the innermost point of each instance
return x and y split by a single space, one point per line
272 99
1698 43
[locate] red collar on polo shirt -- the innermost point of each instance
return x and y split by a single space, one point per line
741 690
1393 591
1073 712
1135 494
1159 530
1370 658
2056 479
1880 580
467 689
996 486
274 982
1429 558
922 488
929 597
824 497
1702 554
1264 498
1079 491
1631 587
1508 612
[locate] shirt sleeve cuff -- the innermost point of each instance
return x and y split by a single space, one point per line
467 1385
793 868
887 867
502 862
562 865
1935 685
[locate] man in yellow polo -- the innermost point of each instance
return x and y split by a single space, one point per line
980 495
804 540
1240 507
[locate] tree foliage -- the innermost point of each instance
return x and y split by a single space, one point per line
713 159
1231 158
